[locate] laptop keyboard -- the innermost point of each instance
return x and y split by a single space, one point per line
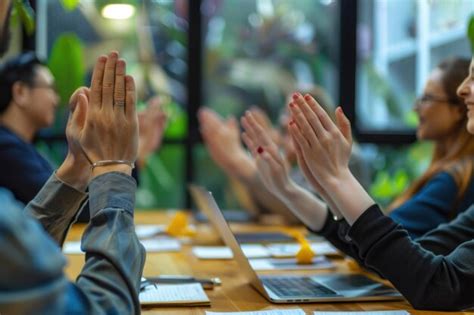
297 287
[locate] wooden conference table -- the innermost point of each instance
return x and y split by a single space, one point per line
235 294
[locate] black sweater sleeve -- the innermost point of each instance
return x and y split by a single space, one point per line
426 279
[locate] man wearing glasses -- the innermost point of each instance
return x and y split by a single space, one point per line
32 280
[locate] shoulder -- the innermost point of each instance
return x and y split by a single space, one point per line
8 138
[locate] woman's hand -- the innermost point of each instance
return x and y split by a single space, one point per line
270 164
324 151
222 140
151 126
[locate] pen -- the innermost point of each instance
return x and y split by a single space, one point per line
178 279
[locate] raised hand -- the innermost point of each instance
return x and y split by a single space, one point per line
271 166
108 127
222 140
76 168
151 123
324 151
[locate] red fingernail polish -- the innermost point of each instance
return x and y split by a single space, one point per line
292 122
292 105
307 97
260 150
295 96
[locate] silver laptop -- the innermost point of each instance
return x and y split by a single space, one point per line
291 288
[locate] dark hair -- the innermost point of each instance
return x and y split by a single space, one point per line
21 68
454 71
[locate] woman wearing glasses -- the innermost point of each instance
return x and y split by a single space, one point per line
443 191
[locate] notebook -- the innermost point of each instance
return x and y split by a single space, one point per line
191 294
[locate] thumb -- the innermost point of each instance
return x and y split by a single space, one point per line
343 124
80 112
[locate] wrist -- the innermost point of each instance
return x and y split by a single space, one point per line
74 173
102 169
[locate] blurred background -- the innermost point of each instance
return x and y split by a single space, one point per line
372 56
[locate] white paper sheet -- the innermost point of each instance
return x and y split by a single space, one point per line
161 244
289 250
174 294
296 311
149 230
319 262
223 252
364 313
72 248
152 245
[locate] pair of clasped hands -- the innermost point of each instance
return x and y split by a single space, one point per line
102 125
323 150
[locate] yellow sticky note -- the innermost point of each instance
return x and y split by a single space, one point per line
305 254
179 225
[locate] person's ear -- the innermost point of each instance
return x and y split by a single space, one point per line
20 94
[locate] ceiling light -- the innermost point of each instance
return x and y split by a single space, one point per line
118 11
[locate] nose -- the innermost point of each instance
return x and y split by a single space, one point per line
464 89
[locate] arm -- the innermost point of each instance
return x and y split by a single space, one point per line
430 207
426 280
274 175
31 274
56 207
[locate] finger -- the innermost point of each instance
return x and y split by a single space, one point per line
275 153
130 98
96 83
258 130
270 161
109 82
251 145
310 115
119 88
304 133
80 113
344 124
74 97
324 118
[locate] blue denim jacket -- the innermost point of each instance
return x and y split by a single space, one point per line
32 280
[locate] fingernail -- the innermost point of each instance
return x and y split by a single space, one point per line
295 96
292 122
260 150
307 97
292 105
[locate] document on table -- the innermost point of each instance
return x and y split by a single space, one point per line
223 252
319 262
174 294
149 230
364 313
161 244
279 250
152 245
295 311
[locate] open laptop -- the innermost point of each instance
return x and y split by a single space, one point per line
291 288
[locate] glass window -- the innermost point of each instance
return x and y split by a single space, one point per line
399 42
153 40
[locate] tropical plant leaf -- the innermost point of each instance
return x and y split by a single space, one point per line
26 14
470 32
66 62
70 5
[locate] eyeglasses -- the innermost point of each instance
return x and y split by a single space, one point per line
51 87
428 99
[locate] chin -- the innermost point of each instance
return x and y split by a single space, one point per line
470 126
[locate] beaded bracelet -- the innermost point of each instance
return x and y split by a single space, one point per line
112 162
